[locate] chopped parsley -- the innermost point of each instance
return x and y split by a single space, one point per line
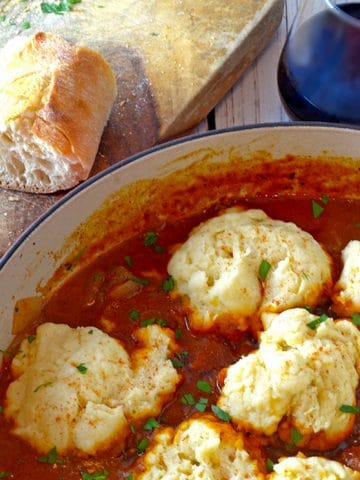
308 308
224 416
315 323
188 399
95 476
349 409
132 429
58 8
130 477
204 386
150 239
317 209
178 334
134 315
51 457
128 261
147 322
141 281
142 445
82 368
25 25
355 318
296 436
325 199
168 284
31 338
2 19
179 360
201 404
43 385
151 423
264 269
269 465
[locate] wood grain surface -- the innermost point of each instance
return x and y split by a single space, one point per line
174 60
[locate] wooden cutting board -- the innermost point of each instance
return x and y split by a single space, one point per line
174 60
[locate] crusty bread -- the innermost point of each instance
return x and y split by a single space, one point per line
55 100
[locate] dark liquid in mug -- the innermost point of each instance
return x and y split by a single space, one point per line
319 68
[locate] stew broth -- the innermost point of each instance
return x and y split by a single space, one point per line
84 300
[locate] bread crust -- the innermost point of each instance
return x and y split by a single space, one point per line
71 90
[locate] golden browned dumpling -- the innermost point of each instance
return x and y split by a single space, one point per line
78 389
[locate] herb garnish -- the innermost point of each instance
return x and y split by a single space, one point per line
224 416
82 368
134 315
25 25
168 284
201 404
317 209
43 385
269 465
31 338
264 269
296 436
141 281
2 19
204 386
315 323
188 399
141 446
95 476
151 423
128 261
355 318
150 239
58 8
178 334
51 457
349 409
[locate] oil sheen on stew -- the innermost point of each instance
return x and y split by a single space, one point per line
80 303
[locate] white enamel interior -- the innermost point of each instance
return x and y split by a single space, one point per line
32 261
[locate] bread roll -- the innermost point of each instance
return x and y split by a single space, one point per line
55 100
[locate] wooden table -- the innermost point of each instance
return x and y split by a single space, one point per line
253 99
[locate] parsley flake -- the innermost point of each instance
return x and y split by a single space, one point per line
151 423
142 445
43 385
130 477
204 386
58 8
51 457
31 338
349 409
168 284
132 429
264 268
224 416
2 19
296 436
269 465
178 334
141 281
128 261
150 239
188 399
82 368
25 25
317 209
201 404
134 315
355 318
315 323
95 476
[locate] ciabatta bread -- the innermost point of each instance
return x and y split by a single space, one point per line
55 100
